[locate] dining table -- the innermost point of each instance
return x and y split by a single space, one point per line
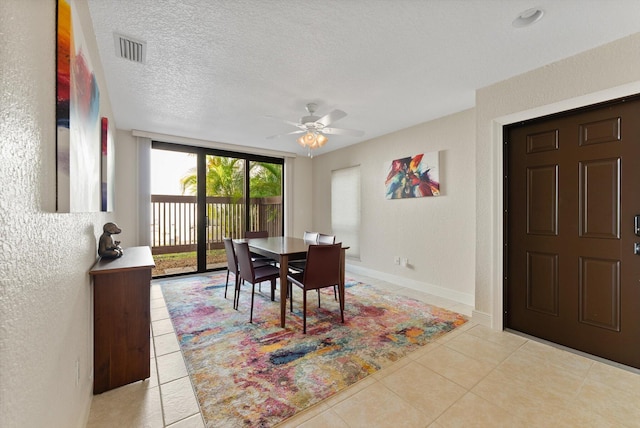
282 249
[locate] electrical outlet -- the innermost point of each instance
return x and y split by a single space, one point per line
396 260
404 262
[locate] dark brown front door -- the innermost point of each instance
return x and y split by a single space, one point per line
572 193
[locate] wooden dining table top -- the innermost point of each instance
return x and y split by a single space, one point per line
280 245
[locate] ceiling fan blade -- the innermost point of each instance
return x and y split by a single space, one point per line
331 117
288 133
341 131
288 122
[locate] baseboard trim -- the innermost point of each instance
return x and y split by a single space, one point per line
481 318
456 296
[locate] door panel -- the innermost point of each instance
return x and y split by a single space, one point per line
572 191
542 282
600 199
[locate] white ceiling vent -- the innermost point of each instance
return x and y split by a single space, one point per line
130 48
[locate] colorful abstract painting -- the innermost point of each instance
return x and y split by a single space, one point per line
107 167
77 117
413 177
259 374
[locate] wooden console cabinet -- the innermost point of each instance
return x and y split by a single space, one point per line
121 317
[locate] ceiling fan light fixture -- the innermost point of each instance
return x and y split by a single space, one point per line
321 139
307 139
312 140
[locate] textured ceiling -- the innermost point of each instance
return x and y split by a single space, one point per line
215 69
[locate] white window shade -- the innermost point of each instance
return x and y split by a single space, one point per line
345 208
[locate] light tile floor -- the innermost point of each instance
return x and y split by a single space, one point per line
471 377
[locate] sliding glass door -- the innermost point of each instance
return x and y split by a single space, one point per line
174 215
225 204
210 203
265 192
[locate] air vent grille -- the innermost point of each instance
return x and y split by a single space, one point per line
130 48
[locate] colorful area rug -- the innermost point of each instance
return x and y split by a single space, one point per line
257 375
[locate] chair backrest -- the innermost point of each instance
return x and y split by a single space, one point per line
311 237
326 239
232 261
256 234
244 261
323 266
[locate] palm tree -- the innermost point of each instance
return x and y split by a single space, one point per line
225 177
266 179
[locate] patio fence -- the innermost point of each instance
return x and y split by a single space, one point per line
174 221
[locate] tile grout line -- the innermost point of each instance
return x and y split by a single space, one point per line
187 375
155 361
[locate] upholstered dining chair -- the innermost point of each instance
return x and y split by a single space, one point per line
326 239
299 265
256 234
310 236
322 271
252 273
249 234
232 267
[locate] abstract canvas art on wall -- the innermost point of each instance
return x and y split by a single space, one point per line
107 167
413 177
77 117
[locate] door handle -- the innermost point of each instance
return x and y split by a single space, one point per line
636 248
636 224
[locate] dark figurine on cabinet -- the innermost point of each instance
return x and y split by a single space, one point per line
107 247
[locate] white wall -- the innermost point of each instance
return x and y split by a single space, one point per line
608 72
436 234
300 199
126 192
45 292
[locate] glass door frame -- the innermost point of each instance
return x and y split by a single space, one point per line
201 196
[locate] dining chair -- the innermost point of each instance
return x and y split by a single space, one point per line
232 267
322 271
256 234
252 273
250 234
299 265
310 236
326 239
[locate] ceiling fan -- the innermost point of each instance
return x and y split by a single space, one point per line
314 128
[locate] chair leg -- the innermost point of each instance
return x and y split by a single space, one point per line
273 290
253 292
225 286
290 291
304 312
318 297
335 292
341 308
236 293
240 284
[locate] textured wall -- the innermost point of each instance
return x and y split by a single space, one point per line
45 292
593 76
436 234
